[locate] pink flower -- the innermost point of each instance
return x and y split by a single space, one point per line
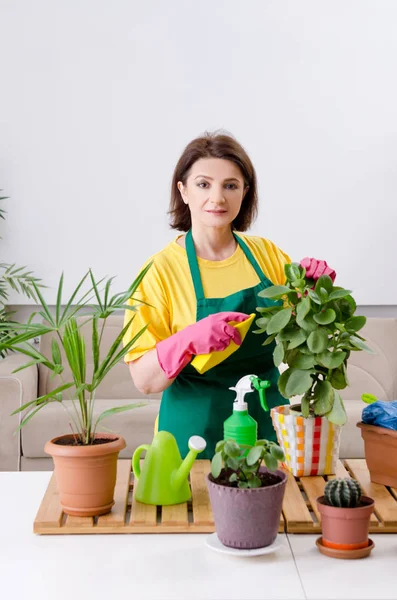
315 268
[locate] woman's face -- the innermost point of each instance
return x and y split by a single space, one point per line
214 192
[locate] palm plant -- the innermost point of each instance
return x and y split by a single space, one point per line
18 279
67 336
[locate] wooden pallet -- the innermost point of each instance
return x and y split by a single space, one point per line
300 513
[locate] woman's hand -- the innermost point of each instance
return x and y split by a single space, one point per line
211 334
315 268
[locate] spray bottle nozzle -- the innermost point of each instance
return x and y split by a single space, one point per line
247 384
261 385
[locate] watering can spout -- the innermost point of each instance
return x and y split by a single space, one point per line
196 445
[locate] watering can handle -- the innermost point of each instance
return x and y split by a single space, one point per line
136 467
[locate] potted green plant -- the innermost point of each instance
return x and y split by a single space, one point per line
380 442
246 497
315 330
85 460
345 516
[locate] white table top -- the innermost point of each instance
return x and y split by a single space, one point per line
171 567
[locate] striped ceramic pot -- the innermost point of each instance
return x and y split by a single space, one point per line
311 446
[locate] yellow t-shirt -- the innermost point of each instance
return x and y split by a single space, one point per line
168 287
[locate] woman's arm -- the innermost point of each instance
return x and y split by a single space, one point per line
147 375
157 368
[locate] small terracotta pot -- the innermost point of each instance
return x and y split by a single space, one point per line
380 446
86 475
247 518
345 528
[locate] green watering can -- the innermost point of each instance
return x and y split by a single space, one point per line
164 477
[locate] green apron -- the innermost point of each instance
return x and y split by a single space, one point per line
197 404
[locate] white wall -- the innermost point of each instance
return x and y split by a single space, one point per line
98 99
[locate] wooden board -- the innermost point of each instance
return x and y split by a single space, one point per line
300 513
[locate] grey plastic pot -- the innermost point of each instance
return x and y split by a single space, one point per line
247 518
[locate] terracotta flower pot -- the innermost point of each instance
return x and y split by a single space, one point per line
247 518
380 446
345 528
86 475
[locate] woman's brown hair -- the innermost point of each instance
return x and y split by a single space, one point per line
214 145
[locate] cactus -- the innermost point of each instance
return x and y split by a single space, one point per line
344 493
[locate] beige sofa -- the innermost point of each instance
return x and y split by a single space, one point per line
376 374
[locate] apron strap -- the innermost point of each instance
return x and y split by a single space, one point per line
195 270
193 264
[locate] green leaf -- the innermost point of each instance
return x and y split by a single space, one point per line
303 308
95 343
220 445
232 463
338 293
308 324
298 283
314 297
118 409
297 339
233 477
323 397
278 354
262 322
305 406
331 360
274 291
231 448
338 379
277 452
216 465
254 455
301 361
317 341
269 340
43 399
59 299
271 462
325 282
325 317
292 271
56 352
298 382
243 484
347 307
369 398
338 413
360 344
287 333
282 382
255 482
71 299
279 321
263 310
355 323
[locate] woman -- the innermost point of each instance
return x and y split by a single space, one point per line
199 283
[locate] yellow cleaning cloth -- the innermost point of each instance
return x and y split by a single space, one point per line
204 362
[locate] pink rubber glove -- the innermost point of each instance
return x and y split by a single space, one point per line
211 334
315 268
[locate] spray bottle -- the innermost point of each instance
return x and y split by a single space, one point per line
240 426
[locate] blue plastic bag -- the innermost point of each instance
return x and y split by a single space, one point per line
381 413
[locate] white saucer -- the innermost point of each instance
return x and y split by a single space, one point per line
214 543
